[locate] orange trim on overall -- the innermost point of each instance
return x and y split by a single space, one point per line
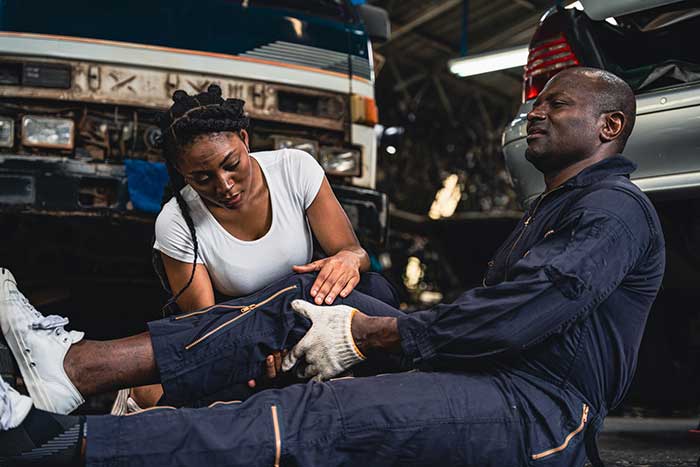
167 407
562 446
278 437
244 310
214 404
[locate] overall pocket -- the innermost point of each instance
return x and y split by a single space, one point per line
244 310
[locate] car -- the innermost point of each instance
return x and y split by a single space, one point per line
653 50
651 44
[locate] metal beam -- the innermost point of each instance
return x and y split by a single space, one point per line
503 37
419 20
404 84
444 99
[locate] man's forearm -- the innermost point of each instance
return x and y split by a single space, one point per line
375 333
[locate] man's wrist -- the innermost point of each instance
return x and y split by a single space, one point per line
375 333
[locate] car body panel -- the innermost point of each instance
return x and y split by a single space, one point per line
601 9
665 142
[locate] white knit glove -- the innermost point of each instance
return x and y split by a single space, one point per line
328 347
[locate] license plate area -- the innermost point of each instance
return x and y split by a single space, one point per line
17 189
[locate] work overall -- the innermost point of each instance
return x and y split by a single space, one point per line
520 372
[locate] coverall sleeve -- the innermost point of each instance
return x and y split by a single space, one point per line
562 278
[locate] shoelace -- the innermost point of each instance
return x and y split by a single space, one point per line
47 323
51 322
31 307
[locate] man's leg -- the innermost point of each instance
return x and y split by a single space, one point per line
200 353
399 419
194 355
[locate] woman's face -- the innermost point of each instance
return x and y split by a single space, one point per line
219 168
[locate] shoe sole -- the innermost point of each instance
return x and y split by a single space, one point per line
30 375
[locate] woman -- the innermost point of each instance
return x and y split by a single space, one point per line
239 221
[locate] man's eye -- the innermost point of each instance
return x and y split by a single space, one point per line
558 103
231 167
200 180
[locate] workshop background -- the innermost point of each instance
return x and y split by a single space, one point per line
451 203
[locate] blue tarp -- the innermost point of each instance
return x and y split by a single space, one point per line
146 182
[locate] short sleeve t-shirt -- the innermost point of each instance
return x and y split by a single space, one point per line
238 267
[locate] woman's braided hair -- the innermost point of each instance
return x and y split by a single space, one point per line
189 118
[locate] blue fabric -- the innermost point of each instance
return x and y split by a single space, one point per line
489 418
235 354
415 419
529 364
567 295
146 181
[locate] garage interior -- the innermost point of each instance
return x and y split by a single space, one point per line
436 131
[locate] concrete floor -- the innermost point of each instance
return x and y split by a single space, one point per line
649 442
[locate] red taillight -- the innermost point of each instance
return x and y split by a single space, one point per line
546 58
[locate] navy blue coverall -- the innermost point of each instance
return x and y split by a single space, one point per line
520 372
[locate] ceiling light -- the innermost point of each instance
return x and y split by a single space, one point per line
490 61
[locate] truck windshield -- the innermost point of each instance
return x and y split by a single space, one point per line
333 9
228 26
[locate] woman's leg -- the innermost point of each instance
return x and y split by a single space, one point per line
377 286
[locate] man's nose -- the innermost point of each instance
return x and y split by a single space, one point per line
535 114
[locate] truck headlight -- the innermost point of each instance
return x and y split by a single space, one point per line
7 132
47 132
307 145
341 161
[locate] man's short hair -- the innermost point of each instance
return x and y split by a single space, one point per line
612 94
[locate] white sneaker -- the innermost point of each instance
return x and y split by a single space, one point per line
39 344
14 407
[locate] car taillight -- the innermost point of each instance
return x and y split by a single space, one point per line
547 57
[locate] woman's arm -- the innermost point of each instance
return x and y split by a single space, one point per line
199 294
340 271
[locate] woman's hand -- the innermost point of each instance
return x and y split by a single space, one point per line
273 365
338 275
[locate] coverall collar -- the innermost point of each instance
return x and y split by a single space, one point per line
615 165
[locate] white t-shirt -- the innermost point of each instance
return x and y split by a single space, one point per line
238 267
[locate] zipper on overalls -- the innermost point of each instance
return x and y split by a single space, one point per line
567 440
244 310
529 219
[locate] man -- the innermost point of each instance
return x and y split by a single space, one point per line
520 371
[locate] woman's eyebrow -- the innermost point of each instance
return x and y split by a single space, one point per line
225 161
227 158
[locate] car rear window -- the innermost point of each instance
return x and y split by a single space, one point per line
652 49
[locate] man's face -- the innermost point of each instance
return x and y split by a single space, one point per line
563 126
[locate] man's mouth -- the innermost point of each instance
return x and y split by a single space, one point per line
533 133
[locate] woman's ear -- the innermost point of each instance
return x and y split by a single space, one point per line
244 137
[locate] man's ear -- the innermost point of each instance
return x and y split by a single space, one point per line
613 124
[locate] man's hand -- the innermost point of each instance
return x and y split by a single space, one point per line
338 275
273 364
328 347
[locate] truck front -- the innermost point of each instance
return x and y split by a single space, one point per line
81 85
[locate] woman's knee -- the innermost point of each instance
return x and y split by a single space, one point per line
377 286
